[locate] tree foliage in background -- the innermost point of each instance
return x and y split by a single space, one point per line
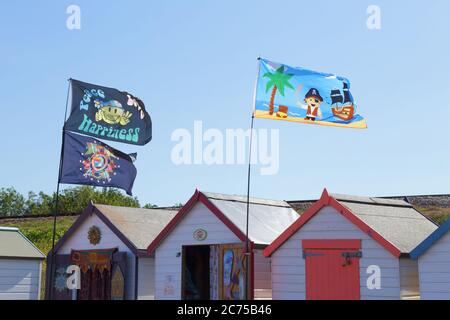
72 200
12 203
76 199
150 206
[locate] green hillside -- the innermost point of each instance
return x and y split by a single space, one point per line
39 231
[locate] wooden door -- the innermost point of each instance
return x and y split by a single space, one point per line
233 276
332 269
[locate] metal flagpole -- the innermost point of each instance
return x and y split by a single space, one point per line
247 247
55 211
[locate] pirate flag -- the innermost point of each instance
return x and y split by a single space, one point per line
108 113
305 96
88 161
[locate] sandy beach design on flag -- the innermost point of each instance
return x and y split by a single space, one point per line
354 125
305 96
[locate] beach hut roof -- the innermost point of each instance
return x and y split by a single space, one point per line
136 227
18 246
267 218
140 226
395 224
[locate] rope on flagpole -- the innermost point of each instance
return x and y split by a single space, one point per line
55 211
247 247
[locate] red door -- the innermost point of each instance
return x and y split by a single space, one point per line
332 269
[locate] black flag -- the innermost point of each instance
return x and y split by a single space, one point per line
90 162
108 114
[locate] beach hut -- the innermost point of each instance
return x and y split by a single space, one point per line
433 256
201 253
108 244
347 247
20 266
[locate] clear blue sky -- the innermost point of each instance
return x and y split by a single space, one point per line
196 60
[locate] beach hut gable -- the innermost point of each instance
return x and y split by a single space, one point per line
327 200
431 240
88 212
121 235
196 197
205 243
433 258
343 239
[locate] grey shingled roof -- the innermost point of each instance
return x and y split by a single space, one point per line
140 226
267 219
395 220
13 244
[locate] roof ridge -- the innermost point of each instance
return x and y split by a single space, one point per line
254 200
138 208
406 205
397 197
389 216
9 229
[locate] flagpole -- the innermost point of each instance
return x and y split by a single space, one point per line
55 211
247 247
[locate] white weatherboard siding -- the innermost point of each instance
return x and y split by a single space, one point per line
146 282
409 278
168 265
434 271
79 241
263 284
19 279
288 265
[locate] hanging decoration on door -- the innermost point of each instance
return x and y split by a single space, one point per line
100 259
117 284
233 274
61 279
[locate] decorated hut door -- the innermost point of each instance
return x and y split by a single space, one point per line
332 269
212 272
102 275
233 279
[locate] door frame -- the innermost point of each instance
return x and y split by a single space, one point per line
221 247
183 266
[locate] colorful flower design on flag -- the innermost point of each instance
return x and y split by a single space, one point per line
98 163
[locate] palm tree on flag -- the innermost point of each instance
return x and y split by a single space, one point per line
277 81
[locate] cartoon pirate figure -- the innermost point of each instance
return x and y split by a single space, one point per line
313 101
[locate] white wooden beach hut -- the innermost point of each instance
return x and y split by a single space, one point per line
200 253
433 256
20 266
347 247
109 245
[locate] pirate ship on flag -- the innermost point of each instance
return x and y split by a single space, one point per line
342 105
